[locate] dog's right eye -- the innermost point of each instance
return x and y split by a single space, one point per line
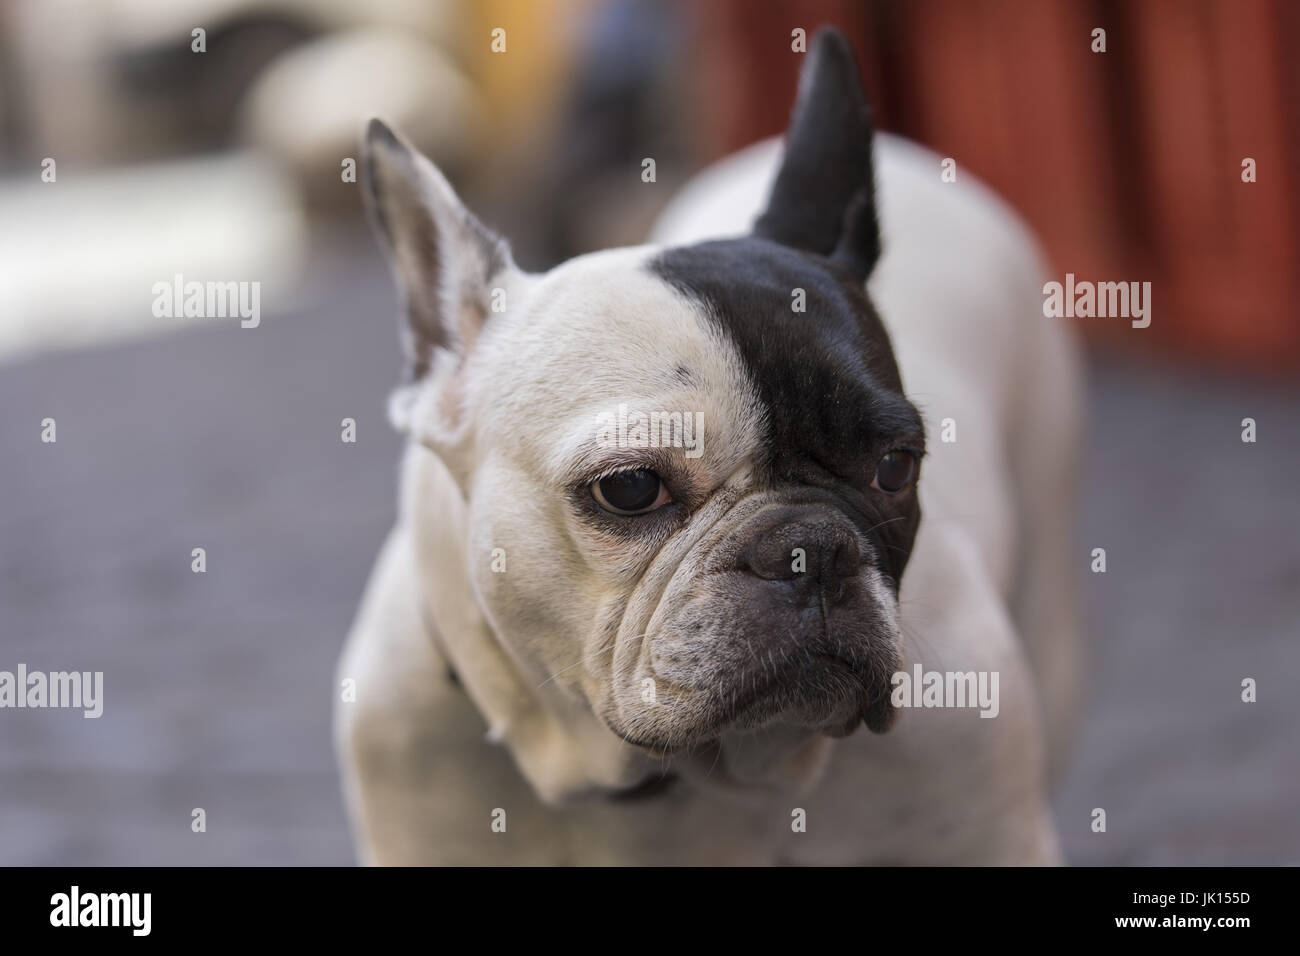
630 492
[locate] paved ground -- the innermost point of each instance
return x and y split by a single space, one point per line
219 684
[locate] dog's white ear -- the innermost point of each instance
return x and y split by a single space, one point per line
823 200
445 261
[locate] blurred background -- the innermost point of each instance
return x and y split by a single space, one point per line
224 154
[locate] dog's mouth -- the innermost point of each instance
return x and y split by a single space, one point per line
828 694
823 694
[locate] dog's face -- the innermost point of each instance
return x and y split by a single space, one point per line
690 472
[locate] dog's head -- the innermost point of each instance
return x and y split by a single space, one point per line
690 473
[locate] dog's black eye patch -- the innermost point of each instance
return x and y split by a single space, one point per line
821 363
812 344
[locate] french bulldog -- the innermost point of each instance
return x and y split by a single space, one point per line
594 638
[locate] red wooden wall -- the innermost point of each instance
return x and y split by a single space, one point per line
1127 163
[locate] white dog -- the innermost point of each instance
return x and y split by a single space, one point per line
661 550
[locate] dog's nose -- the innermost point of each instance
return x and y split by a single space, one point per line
814 555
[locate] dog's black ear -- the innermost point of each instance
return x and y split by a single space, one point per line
823 200
444 259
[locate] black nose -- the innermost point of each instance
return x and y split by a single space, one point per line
815 555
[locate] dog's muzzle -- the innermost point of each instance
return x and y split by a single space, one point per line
786 620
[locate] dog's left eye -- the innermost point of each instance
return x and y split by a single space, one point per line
895 471
630 492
